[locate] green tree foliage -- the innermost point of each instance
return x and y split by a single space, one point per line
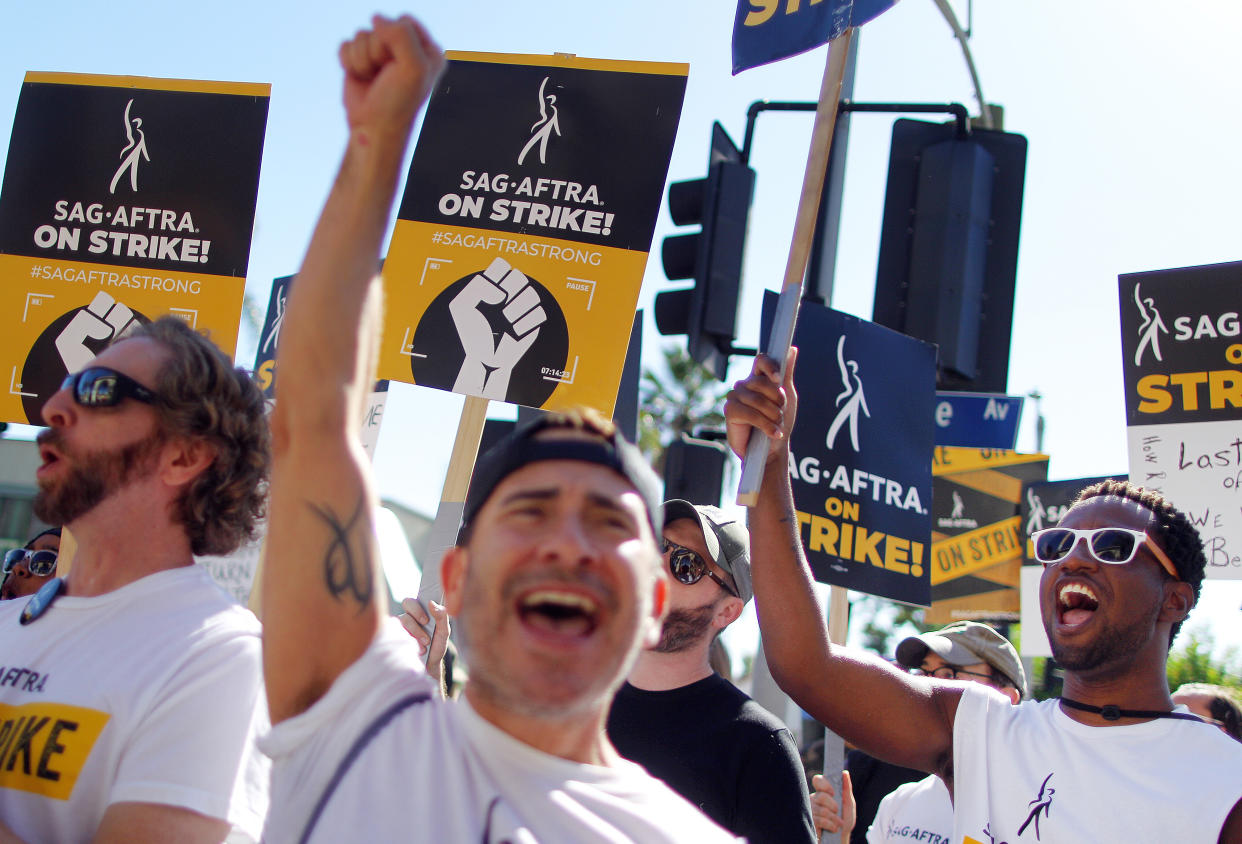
1192 661
882 619
678 398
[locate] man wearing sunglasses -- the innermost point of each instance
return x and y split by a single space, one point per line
1111 760
133 694
26 569
555 582
685 723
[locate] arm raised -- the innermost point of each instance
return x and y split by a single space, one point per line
904 719
321 591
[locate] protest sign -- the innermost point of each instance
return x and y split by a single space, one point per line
124 199
768 30
1043 504
523 232
859 454
265 369
1182 359
269 337
977 538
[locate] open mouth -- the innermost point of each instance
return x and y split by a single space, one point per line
49 458
1076 603
47 452
558 612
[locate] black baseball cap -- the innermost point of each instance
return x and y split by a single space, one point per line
523 447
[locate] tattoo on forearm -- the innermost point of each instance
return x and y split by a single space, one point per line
346 568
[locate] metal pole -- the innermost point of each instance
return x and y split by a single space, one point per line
963 38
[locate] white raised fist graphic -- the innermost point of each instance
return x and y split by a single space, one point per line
104 319
491 356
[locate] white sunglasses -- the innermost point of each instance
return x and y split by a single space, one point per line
1112 545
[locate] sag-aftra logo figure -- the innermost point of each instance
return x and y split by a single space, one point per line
135 149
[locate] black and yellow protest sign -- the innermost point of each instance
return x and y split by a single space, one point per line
977 537
523 232
858 460
124 198
1181 339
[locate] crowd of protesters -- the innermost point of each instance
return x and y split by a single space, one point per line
139 703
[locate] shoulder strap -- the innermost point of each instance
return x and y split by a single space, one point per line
360 744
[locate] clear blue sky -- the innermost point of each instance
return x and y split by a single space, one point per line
1132 121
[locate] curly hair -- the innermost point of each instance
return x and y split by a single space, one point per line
203 396
1174 532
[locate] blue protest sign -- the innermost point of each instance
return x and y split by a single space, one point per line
977 420
861 452
767 30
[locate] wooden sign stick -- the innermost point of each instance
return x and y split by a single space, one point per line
443 534
800 246
834 745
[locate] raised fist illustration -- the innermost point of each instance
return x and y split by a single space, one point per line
491 355
103 319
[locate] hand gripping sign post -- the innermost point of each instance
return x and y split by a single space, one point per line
860 451
124 198
765 31
522 237
1182 357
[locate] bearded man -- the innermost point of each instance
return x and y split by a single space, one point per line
685 723
132 695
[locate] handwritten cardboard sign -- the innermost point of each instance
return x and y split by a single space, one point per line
1181 337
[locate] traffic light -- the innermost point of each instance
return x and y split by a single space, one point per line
694 470
720 203
949 247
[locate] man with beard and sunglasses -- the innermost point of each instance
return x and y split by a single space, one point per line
685 723
131 697
555 581
1112 760
26 569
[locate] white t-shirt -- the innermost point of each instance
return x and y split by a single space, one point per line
919 811
433 770
151 693
1031 773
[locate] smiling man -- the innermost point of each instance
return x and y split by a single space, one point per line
555 582
1113 760
132 695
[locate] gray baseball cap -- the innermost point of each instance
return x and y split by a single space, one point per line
965 643
727 540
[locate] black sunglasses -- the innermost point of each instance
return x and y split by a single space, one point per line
38 563
98 386
688 566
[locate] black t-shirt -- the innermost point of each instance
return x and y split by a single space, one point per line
720 750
